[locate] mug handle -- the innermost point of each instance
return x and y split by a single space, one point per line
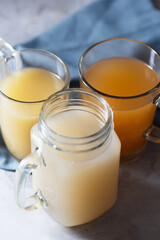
23 172
153 132
6 50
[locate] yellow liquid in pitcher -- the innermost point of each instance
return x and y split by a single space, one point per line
17 118
81 186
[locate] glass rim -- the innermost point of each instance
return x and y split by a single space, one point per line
108 125
46 52
109 95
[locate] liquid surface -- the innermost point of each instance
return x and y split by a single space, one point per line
121 77
77 124
31 84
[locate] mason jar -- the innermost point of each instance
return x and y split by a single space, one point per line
74 161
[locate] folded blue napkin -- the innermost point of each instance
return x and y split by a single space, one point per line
102 19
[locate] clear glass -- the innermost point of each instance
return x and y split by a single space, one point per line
18 117
71 174
133 115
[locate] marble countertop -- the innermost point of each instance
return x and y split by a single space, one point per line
136 215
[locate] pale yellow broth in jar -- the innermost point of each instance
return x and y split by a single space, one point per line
78 186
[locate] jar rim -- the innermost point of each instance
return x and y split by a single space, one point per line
50 136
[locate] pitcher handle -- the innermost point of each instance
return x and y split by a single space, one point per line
153 132
6 50
23 172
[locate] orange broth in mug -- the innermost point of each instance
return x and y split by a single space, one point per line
126 77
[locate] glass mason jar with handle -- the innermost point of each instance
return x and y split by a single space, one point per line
74 161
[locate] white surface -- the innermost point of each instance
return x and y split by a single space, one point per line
136 215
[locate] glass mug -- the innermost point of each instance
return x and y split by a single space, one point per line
107 68
46 71
74 161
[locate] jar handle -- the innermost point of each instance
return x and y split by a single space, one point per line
153 132
23 172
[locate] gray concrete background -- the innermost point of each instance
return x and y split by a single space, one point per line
20 20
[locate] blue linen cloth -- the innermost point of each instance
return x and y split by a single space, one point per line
102 19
